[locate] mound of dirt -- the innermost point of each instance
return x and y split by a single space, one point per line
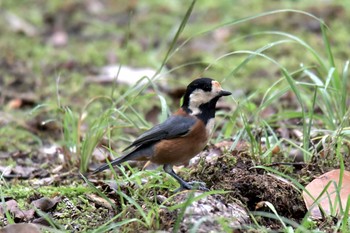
252 187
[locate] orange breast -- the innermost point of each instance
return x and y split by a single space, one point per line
180 150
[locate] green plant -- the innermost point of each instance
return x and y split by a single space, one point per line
94 135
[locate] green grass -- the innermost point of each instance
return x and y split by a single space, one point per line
266 63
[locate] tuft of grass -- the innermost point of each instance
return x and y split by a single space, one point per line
9 218
94 135
71 133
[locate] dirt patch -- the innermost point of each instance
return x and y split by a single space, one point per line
253 187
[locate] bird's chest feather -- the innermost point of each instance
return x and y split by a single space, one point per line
180 150
210 127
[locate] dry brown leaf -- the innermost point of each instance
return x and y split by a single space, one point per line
45 204
22 171
12 207
18 24
100 201
329 200
21 228
15 103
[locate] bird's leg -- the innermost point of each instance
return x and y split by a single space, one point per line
183 184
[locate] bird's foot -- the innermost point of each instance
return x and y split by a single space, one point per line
193 185
197 184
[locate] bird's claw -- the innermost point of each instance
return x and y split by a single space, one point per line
196 183
193 185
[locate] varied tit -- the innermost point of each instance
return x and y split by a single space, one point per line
182 136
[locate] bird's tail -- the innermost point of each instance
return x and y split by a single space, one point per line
113 163
137 154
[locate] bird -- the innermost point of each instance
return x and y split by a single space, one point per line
181 136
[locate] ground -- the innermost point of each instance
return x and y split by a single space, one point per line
69 99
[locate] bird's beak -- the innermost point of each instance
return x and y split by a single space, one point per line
224 93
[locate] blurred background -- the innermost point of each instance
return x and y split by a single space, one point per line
67 52
74 40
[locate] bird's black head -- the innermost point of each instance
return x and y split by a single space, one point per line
201 96
204 84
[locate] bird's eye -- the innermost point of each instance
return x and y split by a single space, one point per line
207 88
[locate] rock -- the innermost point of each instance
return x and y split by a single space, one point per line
204 214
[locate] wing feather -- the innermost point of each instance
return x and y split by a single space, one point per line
174 126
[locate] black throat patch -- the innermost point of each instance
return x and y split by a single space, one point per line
207 110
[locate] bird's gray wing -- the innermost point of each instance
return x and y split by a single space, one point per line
174 126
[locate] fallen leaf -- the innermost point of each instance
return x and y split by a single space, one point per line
100 154
21 228
15 103
276 150
22 171
20 215
57 169
21 100
5 171
18 24
100 201
41 221
329 201
260 205
45 204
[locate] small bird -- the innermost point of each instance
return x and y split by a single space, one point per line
182 136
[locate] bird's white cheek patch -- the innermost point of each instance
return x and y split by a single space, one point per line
197 98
